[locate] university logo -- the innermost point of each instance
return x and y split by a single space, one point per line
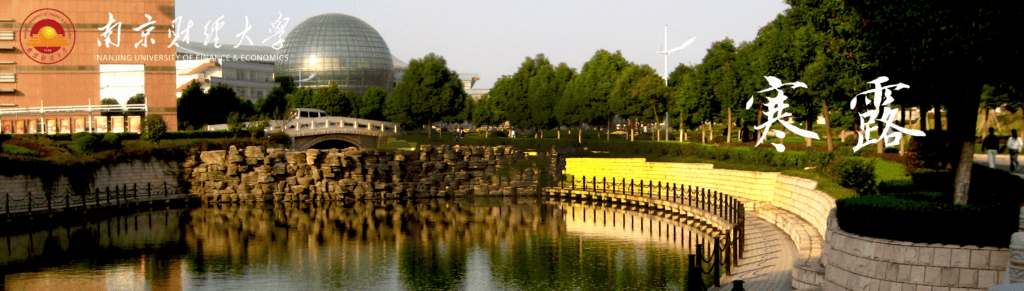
47 36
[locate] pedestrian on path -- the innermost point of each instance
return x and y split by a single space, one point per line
1014 146
991 144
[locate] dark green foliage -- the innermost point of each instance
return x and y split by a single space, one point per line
854 173
153 128
927 222
275 105
108 101
137 99
280 138
429 92
196 109
111 141
922 210
586 96
371 105
86 142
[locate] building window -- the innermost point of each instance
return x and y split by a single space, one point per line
121 82
7 78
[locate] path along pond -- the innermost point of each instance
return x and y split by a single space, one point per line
427 244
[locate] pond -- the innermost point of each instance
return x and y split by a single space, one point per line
426 244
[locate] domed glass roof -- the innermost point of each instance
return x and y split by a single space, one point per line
340 48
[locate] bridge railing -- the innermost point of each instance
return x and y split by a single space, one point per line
300 125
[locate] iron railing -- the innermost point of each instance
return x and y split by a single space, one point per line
26 204
713 202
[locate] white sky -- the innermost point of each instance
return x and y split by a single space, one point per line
491 38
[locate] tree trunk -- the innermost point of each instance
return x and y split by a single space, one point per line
938 116
559 132
728 130
430 128
682 130
703 133
487 133
579 134
760 109
630 124
808 125
828 126
711 132
964 129
608 130
923 117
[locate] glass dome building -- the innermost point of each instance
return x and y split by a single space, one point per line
337 47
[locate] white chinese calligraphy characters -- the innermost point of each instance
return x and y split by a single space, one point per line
108 30
868 119
776 112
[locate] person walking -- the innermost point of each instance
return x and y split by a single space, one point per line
1014 146
991 145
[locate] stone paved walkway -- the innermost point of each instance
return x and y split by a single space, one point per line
768 259
1002 162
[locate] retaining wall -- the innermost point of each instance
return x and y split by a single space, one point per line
856 262
760 191
258 174
153 172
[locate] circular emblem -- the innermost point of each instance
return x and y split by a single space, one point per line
47 36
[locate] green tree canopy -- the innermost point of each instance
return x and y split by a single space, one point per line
585 99
429 92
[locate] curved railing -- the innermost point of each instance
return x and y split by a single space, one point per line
338 124
32 203
675 196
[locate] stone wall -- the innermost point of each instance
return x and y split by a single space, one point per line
804 220
796 195
856 262
140 173
259 174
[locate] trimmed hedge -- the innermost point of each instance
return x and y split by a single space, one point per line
923 211
758 156
539 144
927 222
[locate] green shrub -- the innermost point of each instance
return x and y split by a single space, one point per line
87 143
280 138
854 173
111 141
153 128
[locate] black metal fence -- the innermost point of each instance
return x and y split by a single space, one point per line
106 197
716 203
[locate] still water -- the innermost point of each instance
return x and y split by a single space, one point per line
438 244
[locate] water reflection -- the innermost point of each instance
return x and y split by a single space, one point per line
441 244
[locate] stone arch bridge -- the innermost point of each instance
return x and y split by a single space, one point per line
336 132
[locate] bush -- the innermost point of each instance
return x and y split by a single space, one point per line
927 222
280 138
153 128
854 173
87 143
111 141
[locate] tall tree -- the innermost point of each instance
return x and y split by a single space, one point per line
275 105
586 97
919 40
429 92
724 80
623 100
371 105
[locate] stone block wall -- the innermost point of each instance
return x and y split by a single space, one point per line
258 174
856 262
796 195
139 173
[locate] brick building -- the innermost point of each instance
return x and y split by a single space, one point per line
59 59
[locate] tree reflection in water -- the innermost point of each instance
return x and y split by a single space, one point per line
469 243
